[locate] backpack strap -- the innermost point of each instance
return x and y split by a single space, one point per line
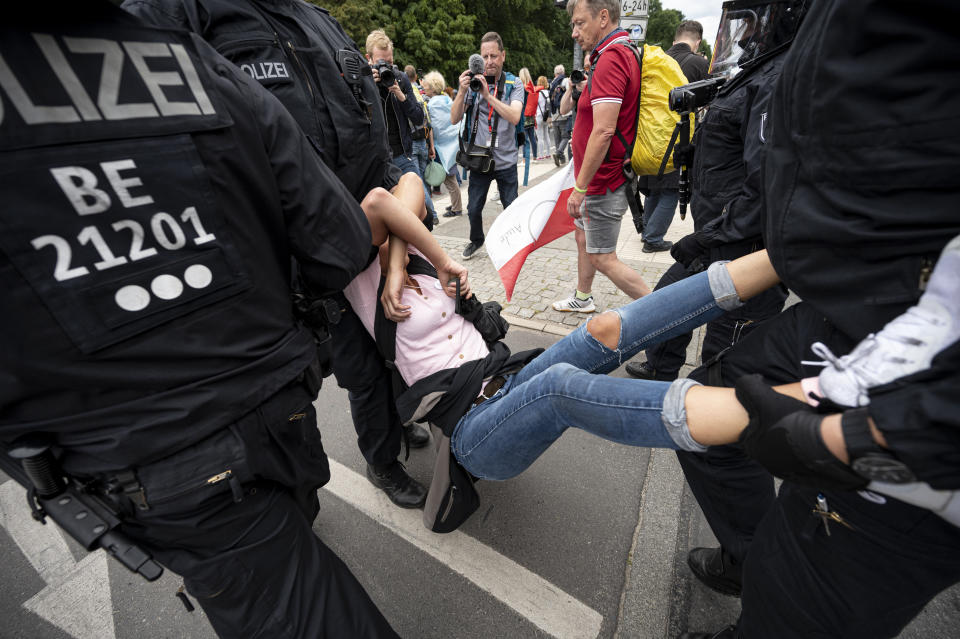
684 58
638 54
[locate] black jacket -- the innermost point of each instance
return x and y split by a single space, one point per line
726 176
292 47
861 171
693 65
147 293
862 191
404 113
446 396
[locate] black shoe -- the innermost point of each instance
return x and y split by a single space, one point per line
450 213
656 247
449 207
726 633
643 370
470 250
714 568
557 159
402 489
417 436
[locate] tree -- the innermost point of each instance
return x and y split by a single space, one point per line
705 49
662 25
430 34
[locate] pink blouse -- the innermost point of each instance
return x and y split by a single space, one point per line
433 338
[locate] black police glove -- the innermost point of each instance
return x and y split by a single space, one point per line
784 437
687 249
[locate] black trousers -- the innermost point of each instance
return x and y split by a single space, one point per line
255 566
798 581
359 368
668 357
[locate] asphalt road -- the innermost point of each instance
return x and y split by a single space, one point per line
567 523
589 542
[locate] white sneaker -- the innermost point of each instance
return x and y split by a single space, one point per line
574 305
906 345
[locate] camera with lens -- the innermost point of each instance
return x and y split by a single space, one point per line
690 97
475 81
388 72
577 76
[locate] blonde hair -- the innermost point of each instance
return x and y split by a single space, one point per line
378 40
525 76
542 82
434 82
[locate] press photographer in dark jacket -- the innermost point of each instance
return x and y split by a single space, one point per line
400 108
302 55
163 362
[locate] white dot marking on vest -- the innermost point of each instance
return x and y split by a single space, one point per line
166 287
198 276
132 298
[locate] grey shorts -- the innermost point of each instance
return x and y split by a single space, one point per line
601 219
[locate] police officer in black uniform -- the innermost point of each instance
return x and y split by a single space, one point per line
727 208
850 148
154 197
302 55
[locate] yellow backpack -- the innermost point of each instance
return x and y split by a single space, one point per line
659 73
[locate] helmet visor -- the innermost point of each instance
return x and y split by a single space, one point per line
749 30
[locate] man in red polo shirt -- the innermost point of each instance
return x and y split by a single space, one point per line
608 104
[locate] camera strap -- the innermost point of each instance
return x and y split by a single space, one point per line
475 108
673 142
494 128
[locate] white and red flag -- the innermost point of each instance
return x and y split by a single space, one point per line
536 218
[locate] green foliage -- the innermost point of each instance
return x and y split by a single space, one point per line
662 25
430 34
705 49
441 34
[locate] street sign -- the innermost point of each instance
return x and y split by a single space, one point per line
636 27
638 8
633 18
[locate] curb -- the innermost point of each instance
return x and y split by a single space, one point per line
544 326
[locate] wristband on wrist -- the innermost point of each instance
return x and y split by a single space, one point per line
578 189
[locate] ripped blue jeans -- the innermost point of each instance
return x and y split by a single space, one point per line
568 387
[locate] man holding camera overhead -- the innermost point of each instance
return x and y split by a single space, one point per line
494 105
400 108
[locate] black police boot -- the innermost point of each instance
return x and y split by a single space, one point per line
417 436
715 569
402 489
726 633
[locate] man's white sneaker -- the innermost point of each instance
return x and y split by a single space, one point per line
574 305
906 345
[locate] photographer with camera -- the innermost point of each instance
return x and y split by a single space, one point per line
401 109
608 104
660 192
493 102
